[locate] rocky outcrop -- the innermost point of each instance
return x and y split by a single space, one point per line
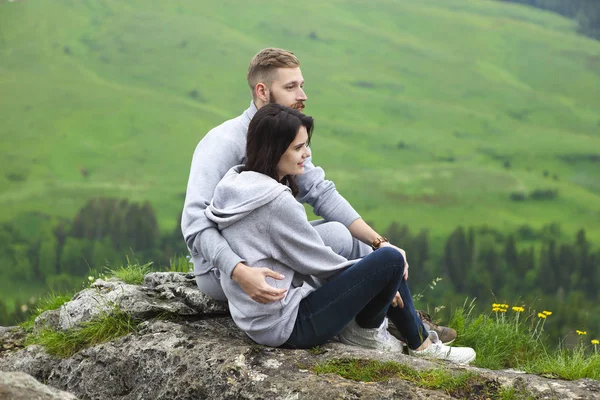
202 354
20 386
163 293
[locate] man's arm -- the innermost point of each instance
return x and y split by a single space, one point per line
322 195
363 232
331 205
213 157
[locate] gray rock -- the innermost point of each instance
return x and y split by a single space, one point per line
165 293
11 338
202 354
211 358
47 320
20 386
32 360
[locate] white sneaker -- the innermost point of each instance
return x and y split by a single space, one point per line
375 338
459 355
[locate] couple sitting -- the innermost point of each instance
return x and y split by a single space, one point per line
323 294
253 220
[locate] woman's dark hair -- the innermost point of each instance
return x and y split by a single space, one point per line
270 133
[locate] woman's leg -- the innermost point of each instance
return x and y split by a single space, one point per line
368 285
407 320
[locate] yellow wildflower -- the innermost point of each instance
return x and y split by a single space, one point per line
548 313
580 332
504 305
502 309
595 341
541 315
494 305
495 309
518 309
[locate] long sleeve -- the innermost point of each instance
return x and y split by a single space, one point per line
320 193
295 243
213 157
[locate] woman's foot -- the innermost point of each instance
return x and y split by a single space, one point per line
376 338
432 347
447 335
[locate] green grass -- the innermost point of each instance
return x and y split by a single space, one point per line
50 301
569 364
461 385
498 344
108 326
515 340
180 263
463 85
132 274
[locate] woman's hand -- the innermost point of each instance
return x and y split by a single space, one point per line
398 302
387 244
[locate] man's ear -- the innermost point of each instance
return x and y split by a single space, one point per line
262 92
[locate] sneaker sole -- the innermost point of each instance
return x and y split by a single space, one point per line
350 343
469 361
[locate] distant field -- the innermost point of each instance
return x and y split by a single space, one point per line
429 113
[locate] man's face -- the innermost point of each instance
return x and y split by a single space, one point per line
287 88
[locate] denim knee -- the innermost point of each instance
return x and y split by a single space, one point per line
391 255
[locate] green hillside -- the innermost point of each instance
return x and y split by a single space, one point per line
430 113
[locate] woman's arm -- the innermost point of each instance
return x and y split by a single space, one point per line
295 243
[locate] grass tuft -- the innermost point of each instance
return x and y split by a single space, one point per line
569 364
464 385
377 371
502 340
108 326
180 264
51 301
132 274
499 345
514 394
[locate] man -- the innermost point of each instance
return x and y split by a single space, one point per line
274 76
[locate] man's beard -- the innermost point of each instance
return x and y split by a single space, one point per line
297 106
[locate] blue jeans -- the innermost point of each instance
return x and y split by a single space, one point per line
363 292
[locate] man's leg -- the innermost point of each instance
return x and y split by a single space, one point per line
210 284
338 237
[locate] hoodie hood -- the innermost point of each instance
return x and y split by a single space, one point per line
239 193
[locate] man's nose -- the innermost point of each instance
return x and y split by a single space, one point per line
301 95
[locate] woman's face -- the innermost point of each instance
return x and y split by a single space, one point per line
292 161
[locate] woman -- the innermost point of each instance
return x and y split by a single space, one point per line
256 211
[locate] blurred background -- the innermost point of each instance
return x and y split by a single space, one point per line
467 132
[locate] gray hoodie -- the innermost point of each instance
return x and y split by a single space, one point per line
221 149
263 223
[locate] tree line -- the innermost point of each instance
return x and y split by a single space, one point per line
524 267
585 12
480 262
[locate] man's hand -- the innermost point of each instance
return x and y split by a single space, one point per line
252 281
405 276
398 302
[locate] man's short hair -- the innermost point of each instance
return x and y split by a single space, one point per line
263 66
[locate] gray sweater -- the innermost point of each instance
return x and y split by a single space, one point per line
266 226
221 149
